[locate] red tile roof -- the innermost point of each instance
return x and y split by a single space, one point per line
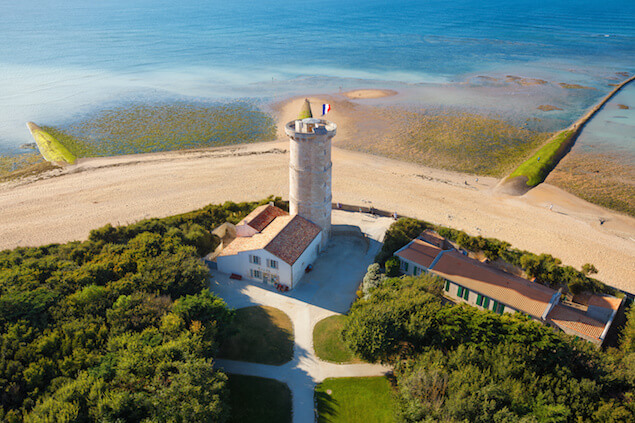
262 216
612 303
258 241
419 252
286 237
293 239
518 293
433 238
574 322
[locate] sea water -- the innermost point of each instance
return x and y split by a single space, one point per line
612 130
65 58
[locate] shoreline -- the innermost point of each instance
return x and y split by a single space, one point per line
65 204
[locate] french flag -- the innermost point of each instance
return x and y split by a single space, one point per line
325 109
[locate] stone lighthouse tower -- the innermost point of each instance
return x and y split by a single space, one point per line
310 169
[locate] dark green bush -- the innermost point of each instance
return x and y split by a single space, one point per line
455 363
392 267
118 328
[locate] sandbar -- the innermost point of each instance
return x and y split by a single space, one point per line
368 94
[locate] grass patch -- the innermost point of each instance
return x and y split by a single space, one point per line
328 343
259 334
355 399
258 400
144 128
538 166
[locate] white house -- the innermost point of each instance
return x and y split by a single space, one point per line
271 247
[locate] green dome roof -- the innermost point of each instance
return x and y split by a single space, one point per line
305 111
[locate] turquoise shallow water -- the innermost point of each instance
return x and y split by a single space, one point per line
613 128
61 59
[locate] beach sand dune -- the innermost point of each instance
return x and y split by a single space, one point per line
66 204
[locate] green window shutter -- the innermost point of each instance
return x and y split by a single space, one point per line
479 300
495 305
485 302
405 267
459 291
466 294
500 309
447 286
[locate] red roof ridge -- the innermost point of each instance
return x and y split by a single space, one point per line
262 216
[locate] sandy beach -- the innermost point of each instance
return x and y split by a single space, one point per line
65 204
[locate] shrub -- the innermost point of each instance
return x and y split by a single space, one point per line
399 234
392 267
373 278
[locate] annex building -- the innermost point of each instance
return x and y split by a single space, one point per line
484 286
270 246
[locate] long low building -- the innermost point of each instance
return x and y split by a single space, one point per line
270 246
486 287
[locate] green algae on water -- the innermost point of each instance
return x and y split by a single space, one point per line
145 128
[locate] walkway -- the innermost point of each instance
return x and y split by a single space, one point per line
328 290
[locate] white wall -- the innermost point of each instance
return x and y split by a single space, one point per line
239 264
307 257
472 297
411 267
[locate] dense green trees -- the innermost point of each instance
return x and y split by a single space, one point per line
456 363
118 328
399 234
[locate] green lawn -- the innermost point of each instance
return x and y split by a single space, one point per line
259 400
538 166
259 334
328 343
355 399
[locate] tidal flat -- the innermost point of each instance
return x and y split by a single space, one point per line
605 179
450 139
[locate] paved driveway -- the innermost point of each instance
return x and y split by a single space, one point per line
327 290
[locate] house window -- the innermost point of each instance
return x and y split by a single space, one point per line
466 294
479 300
272 263
447 286
405 266
500 308
415 270
254 259
256 274
485 302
